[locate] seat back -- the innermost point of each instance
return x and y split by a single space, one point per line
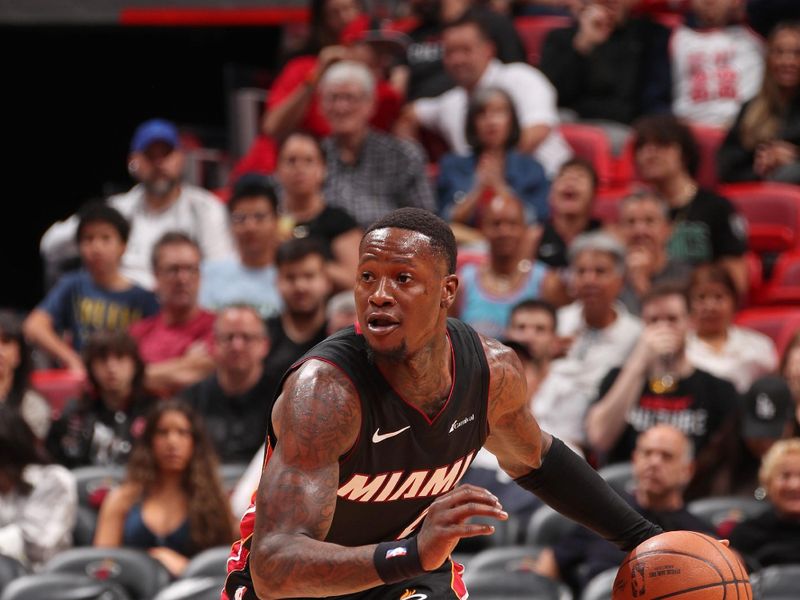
211 562
95 481
772 211
62 586
10 569
777 582
547 526
193 588
140 574
514 585
725 509
599 588
508 558
708 140
533 30
230 474
57 386
591 143
784 285
85 525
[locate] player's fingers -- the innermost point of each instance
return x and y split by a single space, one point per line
465 530
475 509
725 542
470 493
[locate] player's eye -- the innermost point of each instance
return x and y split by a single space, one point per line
403 278
366 277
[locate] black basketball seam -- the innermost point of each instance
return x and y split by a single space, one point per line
714 544
694 589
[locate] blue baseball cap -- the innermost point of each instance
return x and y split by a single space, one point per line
154 130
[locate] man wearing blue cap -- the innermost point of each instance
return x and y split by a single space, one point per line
159 202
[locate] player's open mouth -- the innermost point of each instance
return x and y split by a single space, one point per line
382 324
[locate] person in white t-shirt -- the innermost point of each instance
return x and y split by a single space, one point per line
469 58
716 345
717 63
158 203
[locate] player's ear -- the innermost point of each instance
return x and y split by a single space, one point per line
449 289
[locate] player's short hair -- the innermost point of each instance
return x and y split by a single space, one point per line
443 242
534 304
97 211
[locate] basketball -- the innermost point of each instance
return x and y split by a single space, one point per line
682 565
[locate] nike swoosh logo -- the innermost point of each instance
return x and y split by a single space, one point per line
379 437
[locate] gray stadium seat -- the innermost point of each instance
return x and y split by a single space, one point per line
193 588
547 526
718 509
62 586
619 476
509 558
599 588
505 534
777 582
230 474
85 524
517 585
10 569
140 574
93 482
208 563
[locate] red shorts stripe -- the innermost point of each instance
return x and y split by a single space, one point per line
456 582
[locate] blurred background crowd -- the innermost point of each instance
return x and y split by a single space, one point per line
622 177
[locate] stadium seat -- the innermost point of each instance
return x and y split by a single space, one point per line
193 588
505 533
140 574
591 143
85 525
772 211
62 586
508 558
533 30
95 481
10 569
708 139
619 476
599 588
777 582
755 276
208 563
784 285
57 386
717 510
606 207
547 526
777 322
514 585
231 473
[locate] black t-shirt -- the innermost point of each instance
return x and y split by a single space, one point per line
768 539
424 54
283 351
553 249
88 433
326 227
237 425
706 229
698 407
582 554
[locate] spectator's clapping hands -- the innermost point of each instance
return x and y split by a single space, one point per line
595 24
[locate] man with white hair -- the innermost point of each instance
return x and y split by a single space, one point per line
369 173
601 332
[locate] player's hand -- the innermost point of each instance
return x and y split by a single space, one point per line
446 522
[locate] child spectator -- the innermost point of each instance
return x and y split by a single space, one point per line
96 298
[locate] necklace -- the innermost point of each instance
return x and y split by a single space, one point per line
505 282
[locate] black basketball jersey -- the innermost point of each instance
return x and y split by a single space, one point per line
402 460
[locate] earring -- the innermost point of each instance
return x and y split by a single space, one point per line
133 166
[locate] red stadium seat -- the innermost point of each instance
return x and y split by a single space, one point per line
772 211
533 30
57 386
755 275
591 143
777 322
708 140
784 285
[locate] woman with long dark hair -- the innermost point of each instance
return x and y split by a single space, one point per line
16 365
172 501
764 142
38 501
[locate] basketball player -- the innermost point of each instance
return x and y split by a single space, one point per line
373 428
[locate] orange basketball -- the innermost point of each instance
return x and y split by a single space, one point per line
682 565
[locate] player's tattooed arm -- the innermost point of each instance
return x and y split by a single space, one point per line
317 420
514 438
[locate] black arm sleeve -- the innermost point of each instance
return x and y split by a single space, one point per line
570 485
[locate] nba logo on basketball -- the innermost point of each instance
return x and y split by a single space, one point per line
637 580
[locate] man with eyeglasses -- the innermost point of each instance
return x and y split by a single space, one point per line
232 399
159 202
175 343
249 276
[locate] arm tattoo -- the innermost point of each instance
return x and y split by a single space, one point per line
317 419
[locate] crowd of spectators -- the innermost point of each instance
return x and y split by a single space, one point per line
178 309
